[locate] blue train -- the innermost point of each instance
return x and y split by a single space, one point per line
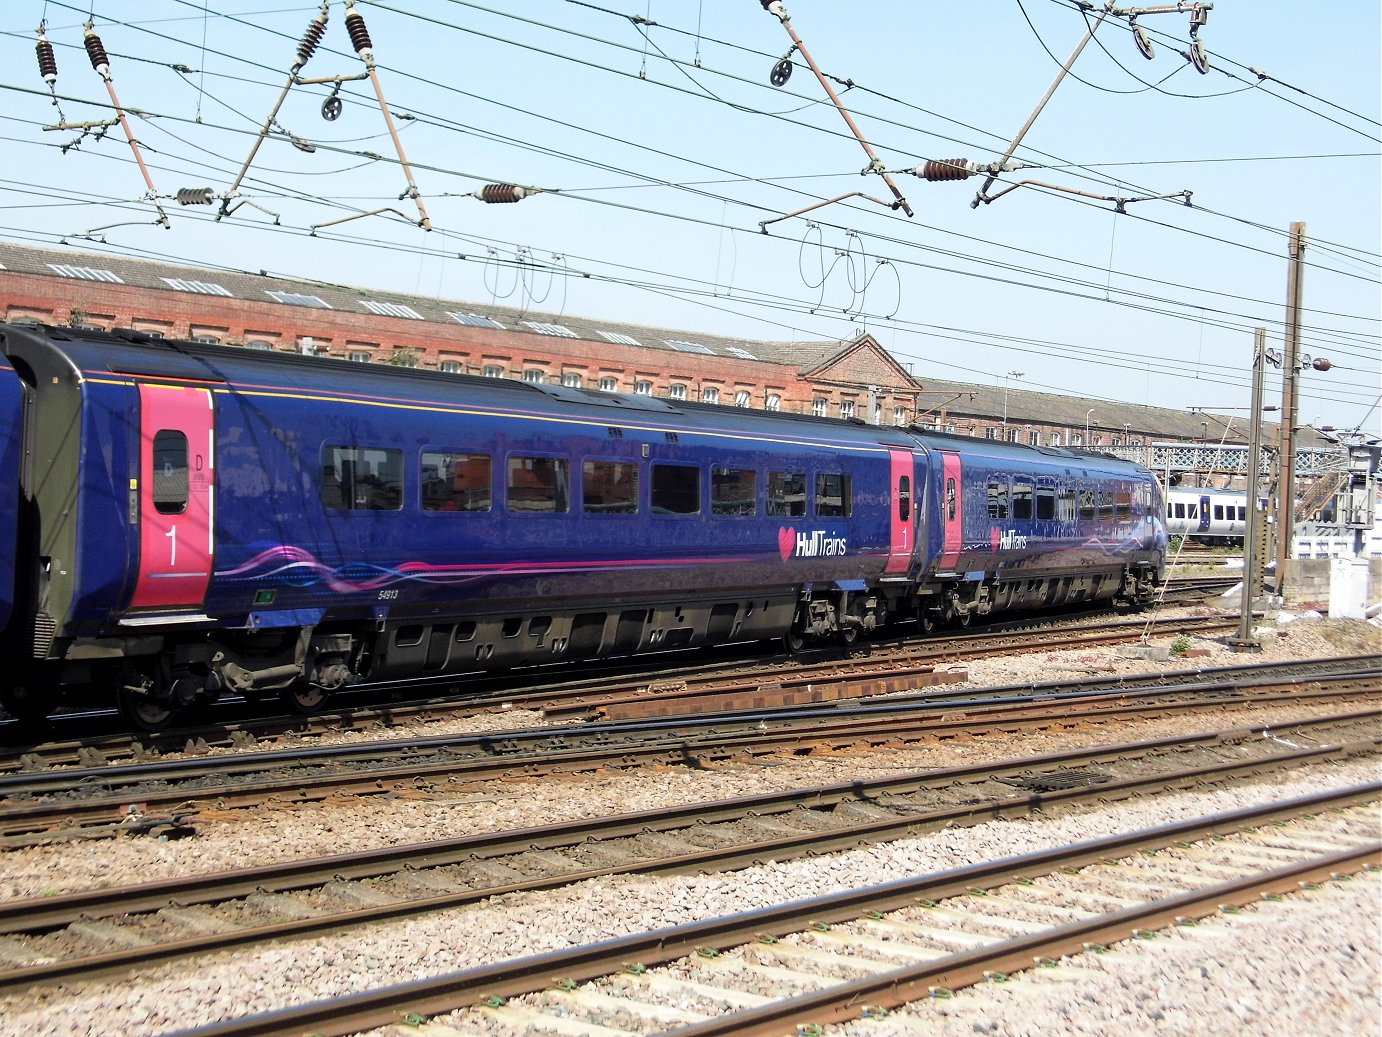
194 520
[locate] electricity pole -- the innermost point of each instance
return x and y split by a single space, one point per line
1252 578
1286 500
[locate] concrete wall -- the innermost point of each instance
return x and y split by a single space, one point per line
1307 579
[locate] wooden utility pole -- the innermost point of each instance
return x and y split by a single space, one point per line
1290 371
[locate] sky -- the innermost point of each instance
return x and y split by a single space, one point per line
670 174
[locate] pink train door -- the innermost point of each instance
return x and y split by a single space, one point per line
952 510
176 479
903 512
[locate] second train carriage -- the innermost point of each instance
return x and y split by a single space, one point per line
208 519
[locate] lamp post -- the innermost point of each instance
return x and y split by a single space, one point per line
1086 425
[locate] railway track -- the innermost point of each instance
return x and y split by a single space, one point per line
164 795
863 952
83 936
679 686
87 737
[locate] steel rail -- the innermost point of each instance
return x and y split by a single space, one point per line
44 914
436 995
751 736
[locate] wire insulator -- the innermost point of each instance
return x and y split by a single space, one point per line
496 193
96 51
47 62
316 29
359 35
194 195
947 169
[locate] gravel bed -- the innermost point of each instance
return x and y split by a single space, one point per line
259 979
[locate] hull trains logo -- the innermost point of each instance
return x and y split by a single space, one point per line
1008 540
815 543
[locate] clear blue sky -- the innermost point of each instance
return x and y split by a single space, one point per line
662 147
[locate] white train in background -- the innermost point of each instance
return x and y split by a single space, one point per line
1213 516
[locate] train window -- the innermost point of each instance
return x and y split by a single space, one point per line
1087 503
733 491
1122 503
904 498
1192 511
1065 504
676 489
609 487
1105 503
787 494
453 481
1218 513
1045 502
833 495
950 500
1178 510
538 484
998 500
1022 500
170 472
362 478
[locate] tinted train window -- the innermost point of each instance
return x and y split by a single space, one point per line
998 500
453 481
904 498
1122 503
1087 507
609 487
1022 500
676 489
170 472
950 500
1065 504
362 478
538 484
1218 513
1045 502
733 491
832 495
787 494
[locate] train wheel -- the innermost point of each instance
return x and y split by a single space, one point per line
23 703
963 619
927 622
794 641
849 635
142 712
304 698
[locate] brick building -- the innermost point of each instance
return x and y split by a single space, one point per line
851 379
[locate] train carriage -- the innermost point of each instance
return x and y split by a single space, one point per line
206 519
11 417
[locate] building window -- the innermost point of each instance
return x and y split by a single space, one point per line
207 340
1034 438
555 330
818 406
474 320
197 287
609 384
619 338
990 433
710 394
688 347
1117 440
847 408
571 379
306 346
450 367
293 299
359 356
742 354
1012 435
773 402
1055 439
1098 440
643 388
743 398
676 392
258 343
390 309
1076 439
899 416
533 376
494 371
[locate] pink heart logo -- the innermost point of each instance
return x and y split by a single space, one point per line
786 541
